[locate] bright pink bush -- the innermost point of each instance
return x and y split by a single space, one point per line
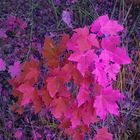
92 59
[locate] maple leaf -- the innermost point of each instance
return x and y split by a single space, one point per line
73 113
52 53
84 60
37 102
110 43
108 65
62 43
15 69
82 41
46 98
49 52
2 65
52 86
32 74
30 95
78 136
103 134
100 74
27 90
119 56
30 71
112 70
69 71
17 108
66 72
88 114
75 119
99 22
72 44
65 123
75 133
92 39
106 26
106 102
105 72
82 96
112 27
59 107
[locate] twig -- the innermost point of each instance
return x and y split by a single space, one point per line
113 9
31 32
127 14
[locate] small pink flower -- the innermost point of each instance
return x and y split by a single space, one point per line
2 65
18 134
9 124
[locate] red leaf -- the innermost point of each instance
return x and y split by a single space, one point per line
88 114
27 91
37 102
59 107
52 85
46 98
103 134
52 53
82 96
82 41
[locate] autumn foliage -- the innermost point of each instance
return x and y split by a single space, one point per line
78 86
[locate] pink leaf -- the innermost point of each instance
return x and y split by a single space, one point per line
119 56
106 26
106 102
84 60
110 43
112 70
111 27
72 44
93 40
99 22
100 74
